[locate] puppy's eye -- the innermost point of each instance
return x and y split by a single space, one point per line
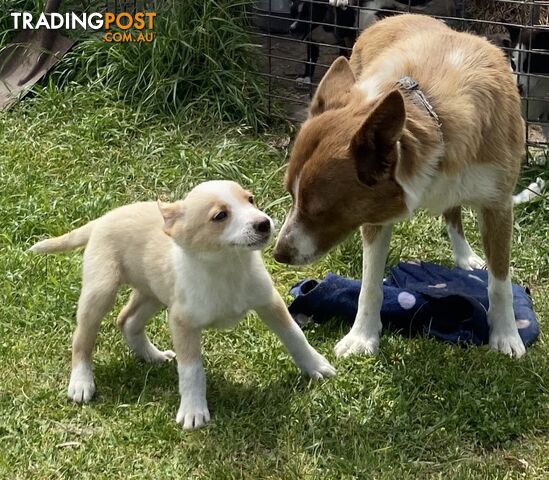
251 199
219 216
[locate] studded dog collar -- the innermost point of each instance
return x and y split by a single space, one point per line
418 97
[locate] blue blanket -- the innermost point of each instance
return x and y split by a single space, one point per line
418 299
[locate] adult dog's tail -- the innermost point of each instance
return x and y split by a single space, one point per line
74 239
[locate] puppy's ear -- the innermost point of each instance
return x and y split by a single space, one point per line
170 212
373 145
334 88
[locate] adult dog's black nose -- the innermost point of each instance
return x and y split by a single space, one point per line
263 227
282 257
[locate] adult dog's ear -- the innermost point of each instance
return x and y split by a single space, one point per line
170 213
334 88
373 147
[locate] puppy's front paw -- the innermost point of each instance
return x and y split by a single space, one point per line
509 343
317 367
357 344
81 385
193 414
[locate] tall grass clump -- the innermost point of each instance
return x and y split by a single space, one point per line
202 64
6 22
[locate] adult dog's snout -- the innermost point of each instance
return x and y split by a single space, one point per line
295 246
283 251
282 256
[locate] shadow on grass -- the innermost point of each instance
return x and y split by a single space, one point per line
418 401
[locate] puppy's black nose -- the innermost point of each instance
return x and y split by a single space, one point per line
263 227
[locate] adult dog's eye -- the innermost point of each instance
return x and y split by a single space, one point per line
251 199
219 216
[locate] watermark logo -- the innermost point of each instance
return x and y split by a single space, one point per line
116 27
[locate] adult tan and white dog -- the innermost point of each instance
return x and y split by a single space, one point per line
200 257
421 117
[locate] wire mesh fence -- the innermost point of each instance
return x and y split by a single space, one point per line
300 39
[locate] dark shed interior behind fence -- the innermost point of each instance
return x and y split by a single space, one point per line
303 36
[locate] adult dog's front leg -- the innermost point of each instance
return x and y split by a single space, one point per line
193 410
364 335
278 319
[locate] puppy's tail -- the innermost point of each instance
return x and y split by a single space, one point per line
74 239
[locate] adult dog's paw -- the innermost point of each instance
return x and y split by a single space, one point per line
357 344
153 355
509 343
470 262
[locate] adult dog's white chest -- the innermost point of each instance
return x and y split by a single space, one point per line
217 291
475 185
436 192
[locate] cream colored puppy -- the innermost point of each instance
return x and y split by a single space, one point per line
200 257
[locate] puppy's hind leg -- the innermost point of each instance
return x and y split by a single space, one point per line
99 287
279 320
496 229
132 321
464 255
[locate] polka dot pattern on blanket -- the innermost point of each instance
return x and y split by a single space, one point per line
450 305
406 300
523 323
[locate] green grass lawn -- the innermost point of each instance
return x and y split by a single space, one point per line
420 409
